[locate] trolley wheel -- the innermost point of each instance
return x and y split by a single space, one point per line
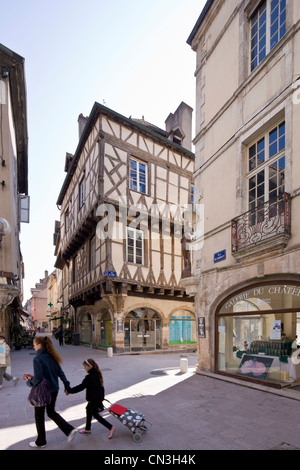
137 437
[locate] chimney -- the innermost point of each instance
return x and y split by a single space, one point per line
81 123
179 126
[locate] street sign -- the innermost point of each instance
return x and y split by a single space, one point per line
220 256
110 274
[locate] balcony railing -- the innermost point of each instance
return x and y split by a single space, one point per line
269 221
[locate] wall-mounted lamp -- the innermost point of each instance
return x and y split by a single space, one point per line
4 228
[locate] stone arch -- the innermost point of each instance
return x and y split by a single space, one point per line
85 325
104 327
142 327
182 326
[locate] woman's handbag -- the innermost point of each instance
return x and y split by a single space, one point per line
40 394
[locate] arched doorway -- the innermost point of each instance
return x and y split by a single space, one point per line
257 330
182 328
85 328
105 329
142 330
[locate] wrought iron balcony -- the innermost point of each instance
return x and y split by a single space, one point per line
266 223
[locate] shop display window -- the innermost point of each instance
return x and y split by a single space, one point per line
257 337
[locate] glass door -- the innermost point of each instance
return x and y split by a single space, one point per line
142 334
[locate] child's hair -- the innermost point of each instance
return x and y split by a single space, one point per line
2 337
48 346
92 363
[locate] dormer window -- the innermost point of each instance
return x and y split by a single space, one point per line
177 136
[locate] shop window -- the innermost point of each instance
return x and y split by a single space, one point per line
257 334
86 328
105 330
142 330
182 329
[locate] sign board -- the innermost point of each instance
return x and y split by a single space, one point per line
201 327
220 256
120 326
110 274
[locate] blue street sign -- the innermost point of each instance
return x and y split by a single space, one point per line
220 256
110 274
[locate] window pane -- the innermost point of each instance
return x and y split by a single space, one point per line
138 176
277 140
258 36
278 21
282 164
261 177
135 246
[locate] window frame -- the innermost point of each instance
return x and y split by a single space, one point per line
81 193
138 180
269 24
92 253
134 253
67 221
266 165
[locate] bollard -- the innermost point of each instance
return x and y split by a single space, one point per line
183 365
109 352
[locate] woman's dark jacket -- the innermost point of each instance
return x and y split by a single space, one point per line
94 389
44 366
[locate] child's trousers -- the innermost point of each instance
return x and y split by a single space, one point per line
92 411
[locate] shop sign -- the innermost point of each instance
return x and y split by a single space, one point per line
119 326
201 327
266 295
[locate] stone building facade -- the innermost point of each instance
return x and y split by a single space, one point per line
246 277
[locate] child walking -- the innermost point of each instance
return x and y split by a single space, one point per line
93 383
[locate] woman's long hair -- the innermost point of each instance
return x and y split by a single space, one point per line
48 346
91 362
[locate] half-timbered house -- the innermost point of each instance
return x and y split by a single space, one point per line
122 204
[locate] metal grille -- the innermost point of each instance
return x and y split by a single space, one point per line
262 223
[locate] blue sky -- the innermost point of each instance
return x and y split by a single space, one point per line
130 55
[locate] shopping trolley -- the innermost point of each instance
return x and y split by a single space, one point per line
132 419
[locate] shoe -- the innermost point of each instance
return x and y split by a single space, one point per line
15 380
111 432
33 444
84 431
72 435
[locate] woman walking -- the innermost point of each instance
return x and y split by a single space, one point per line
46 364
93 383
